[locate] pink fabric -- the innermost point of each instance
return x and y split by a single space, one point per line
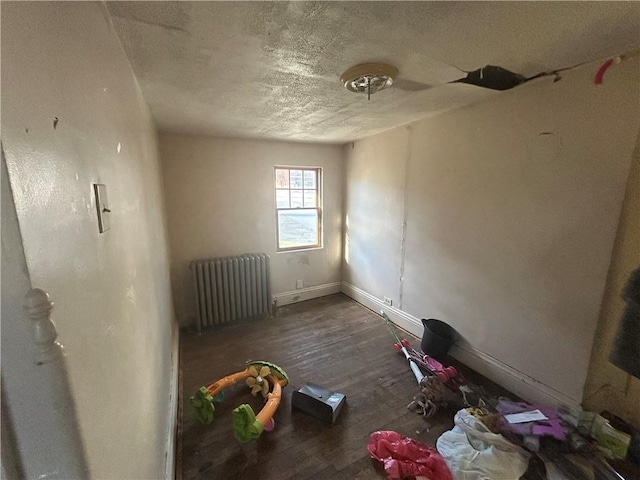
433 364
404 457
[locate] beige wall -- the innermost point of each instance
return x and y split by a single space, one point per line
220 201
511 209
374 212
608 387
111 291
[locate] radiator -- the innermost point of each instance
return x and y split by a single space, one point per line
231 288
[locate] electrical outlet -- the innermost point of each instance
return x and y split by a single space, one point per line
388 301
298 283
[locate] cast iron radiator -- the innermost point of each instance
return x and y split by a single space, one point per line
231 288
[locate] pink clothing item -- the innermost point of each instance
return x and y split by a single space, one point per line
405 457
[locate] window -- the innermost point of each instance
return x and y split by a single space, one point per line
298 208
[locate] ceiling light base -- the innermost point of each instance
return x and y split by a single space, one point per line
369 78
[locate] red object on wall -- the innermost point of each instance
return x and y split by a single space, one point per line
600 73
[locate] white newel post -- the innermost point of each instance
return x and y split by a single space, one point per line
60 437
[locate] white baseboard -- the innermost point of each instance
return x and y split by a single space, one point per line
302 294
523 385
405 321
170 463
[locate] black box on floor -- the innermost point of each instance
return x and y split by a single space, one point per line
318 402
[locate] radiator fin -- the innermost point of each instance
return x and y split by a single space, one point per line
231 288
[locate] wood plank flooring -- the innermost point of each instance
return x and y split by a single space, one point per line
331 341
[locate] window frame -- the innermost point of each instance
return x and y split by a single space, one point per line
318 208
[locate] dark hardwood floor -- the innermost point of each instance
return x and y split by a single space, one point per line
331 341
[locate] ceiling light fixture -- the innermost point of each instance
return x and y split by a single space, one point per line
369 78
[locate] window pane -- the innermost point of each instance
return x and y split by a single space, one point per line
282 198
297 228
310 198
296 179
309 179
296 198
282 178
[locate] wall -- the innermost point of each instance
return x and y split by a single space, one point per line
220 201
73 115
16 352
511 208
374 212
608 387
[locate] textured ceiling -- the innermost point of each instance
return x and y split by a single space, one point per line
271 69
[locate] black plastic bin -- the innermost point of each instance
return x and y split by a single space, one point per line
437 338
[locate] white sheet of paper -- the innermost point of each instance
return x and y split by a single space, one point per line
531 416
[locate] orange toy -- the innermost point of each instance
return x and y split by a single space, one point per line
263 377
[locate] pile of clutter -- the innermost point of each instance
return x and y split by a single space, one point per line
499 439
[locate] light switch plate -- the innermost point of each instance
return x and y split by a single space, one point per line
102 205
